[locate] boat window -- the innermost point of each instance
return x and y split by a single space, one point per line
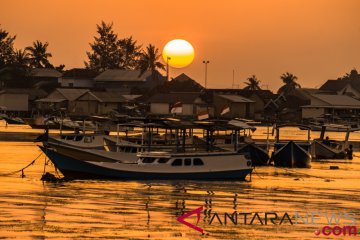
163 160
198 162
148 160
187 161
88 139
177 162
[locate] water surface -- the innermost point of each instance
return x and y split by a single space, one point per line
31 209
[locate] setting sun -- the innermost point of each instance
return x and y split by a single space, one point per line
179 53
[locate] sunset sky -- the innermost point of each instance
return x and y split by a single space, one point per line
314 39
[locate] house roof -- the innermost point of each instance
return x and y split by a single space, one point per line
184 97
183 78
51 100
337 100
265 95
15 91
79 73
71 94
116 75
334 85
111 97
33 93
236 98
131 97
45 72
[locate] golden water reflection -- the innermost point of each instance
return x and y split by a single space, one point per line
31 209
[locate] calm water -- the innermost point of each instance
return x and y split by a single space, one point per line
31 209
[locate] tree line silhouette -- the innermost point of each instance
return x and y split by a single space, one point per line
108 52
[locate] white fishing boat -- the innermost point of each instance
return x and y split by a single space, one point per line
154 165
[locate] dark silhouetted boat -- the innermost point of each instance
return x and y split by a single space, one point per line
14 120
259 156
292 153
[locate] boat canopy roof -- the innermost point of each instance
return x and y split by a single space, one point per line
154 154
301 126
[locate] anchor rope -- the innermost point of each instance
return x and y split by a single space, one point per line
305 174
22 169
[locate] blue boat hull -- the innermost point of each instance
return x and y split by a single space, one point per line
292 155
76 169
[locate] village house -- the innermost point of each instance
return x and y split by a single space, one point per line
331 106
239 106
125 80
45 78
61 98
191 103
260 98
99 103
78 78
348 85
20 99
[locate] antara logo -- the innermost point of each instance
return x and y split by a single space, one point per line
197 212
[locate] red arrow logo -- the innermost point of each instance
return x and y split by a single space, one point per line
197 212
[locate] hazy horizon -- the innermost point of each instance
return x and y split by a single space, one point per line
314 40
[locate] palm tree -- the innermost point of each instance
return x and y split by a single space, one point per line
290 83
39 55
149 60
21 58
252 84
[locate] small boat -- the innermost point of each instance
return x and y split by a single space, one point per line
291 153
331 127
258 155
154 165
3 112
240 138
323 148
14 120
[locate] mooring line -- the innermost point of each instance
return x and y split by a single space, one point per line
305 174
22 169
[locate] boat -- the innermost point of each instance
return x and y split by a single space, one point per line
240 139
323 148
41 122
129 160
3 112
154 166
332 127
258 155
291 153
14 120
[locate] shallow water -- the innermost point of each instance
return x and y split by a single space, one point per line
31 209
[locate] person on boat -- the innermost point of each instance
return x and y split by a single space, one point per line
349 152
326 141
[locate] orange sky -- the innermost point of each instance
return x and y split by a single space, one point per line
313 39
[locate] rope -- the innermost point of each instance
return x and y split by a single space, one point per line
305 174
257 174
22 169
